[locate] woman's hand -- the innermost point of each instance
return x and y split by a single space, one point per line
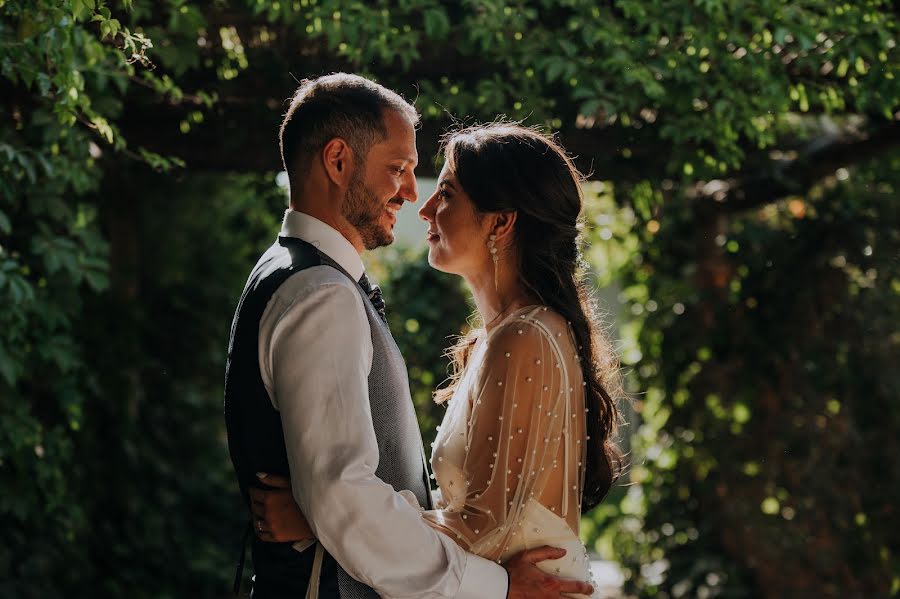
276 516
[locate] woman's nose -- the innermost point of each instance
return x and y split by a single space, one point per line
425 211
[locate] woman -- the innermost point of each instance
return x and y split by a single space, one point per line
525 446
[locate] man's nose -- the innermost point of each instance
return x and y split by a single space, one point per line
409 189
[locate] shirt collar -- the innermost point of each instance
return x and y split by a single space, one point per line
325 238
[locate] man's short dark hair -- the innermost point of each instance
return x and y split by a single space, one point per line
338 105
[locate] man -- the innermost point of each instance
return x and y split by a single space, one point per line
315 385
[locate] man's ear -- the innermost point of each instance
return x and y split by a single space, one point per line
337 158
503 226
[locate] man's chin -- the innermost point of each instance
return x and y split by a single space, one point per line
380 238
386 234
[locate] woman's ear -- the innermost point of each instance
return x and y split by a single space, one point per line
503 226
337 158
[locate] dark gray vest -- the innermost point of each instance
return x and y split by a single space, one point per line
256 439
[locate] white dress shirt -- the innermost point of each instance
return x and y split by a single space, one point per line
315 354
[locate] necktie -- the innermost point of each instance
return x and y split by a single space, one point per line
374 293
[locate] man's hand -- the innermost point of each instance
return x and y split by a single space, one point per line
526 581
276 516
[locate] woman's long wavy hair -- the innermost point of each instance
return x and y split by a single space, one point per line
508 167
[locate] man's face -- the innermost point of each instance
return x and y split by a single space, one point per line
379 187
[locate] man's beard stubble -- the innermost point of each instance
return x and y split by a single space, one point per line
363 211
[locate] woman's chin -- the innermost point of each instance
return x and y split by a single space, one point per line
434 260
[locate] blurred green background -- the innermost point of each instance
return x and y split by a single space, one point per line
742 218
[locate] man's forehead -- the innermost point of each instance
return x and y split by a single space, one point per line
400 141
398 147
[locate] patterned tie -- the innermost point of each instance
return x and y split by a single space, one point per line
374 293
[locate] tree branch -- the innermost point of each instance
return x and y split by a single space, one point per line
794 177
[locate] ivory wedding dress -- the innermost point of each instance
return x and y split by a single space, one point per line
509 456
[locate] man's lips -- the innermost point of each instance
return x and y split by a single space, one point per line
393 207
432 235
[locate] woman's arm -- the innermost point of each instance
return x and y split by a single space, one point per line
516 433
276 516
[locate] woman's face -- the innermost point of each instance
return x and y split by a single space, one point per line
457 238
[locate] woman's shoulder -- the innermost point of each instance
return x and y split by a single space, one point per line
531 325
541 318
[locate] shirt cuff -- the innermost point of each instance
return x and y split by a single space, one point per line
482 578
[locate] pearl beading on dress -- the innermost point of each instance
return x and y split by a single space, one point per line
524 464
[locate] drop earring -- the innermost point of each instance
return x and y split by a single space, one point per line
492 248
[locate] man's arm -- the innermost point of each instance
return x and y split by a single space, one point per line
318 353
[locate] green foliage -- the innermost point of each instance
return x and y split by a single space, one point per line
136 146
51 255
766 396
158 364
711 81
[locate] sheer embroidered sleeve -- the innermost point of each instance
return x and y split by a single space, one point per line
523 439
